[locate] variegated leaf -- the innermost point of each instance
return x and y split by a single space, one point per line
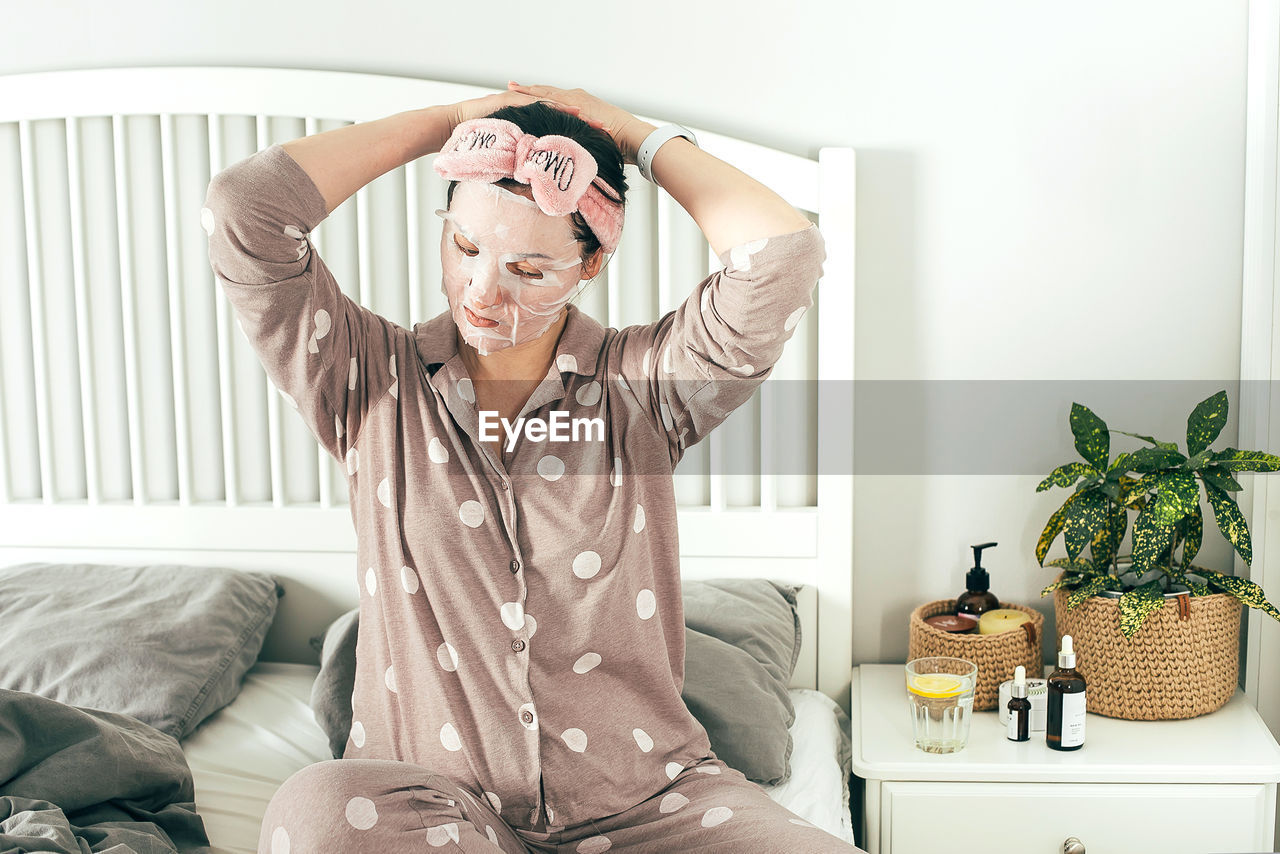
1077 564
1197 589
1120 463
1233 460
1136 604
1106 540
1092 439
1192 527
1230 521
1085 516
1053 528
1167 445
1064 475
1178 493
1096 584
1206 421
1220 478
1153 459
1064 581
1243 589
1150 540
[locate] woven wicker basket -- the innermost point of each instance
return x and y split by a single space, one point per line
995 655
1183 662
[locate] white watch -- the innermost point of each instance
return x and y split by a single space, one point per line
654 141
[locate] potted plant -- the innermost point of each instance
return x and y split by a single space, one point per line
1157 635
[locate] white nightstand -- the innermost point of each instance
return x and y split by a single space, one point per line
1207 784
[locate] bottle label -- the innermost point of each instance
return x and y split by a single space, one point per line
1073 719
1013 725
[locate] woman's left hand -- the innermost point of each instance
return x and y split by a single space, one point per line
627 130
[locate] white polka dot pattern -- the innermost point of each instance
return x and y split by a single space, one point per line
716 815
447 656
352 375
594 845
642 739
361 813
471 513
586 565
409 579
449 737
673 770
638 524
389 677
466 390
589 394
279 836
371 581
567 362
512 614
384 492
793 318
436 451
646 604
353 461
575 738
494 801
708 769
672 802
586 663
493 837
442 834
357 733
551 467
206 222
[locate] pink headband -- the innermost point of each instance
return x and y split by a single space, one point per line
559 171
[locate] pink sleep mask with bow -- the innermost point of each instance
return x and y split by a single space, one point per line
559 171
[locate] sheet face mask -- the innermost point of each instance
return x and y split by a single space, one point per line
523 269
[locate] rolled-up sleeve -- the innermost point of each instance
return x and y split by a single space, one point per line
706 358
332 358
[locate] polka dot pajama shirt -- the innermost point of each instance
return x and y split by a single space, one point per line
521 649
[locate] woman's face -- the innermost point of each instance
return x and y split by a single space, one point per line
508 267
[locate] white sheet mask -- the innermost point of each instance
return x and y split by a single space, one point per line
489 252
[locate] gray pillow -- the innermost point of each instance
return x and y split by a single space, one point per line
742 640
166 644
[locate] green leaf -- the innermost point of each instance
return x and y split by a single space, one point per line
1206 421
1136 604
1106 540
1092 439
1171 446
1220 478
1120 464
1191 527
1151 459
1150 540
1083 519
1053 528
1198 461
1178 493
1064 475
1096 584
1241 588
1233 460
1077 564
1230 521
1197 589
1064 581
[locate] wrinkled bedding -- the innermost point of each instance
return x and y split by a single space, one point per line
79 780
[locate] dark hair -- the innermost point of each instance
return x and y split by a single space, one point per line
541 119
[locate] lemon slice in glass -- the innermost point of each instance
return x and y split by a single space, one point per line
936 685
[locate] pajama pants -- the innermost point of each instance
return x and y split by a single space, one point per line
372 806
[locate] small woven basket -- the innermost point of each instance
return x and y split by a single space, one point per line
1183 662
996 655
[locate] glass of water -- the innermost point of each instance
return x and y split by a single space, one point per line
940 696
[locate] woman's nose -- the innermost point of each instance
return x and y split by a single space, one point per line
483 290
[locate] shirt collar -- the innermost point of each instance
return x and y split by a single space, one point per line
576 352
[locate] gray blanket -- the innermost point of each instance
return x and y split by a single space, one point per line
76 780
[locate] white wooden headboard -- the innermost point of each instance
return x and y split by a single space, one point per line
136 425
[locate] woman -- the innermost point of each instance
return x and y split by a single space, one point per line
521 647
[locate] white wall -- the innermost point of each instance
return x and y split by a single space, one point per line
1046 191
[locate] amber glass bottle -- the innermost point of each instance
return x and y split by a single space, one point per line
1066 702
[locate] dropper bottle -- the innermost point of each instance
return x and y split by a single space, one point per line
1066 702
1019 707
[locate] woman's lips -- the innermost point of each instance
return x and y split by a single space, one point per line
476 320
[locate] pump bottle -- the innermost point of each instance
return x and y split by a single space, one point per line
1066 702
978 598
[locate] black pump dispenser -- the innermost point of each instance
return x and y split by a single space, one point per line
977 599
977 580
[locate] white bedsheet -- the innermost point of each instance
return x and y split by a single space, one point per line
241 754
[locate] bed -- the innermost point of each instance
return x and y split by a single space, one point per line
137 427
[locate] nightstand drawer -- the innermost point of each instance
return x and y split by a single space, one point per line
1109 818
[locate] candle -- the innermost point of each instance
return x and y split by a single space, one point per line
1001 620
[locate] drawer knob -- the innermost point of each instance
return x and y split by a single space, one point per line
1072 846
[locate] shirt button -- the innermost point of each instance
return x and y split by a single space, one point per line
515 565
517 645
526 716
